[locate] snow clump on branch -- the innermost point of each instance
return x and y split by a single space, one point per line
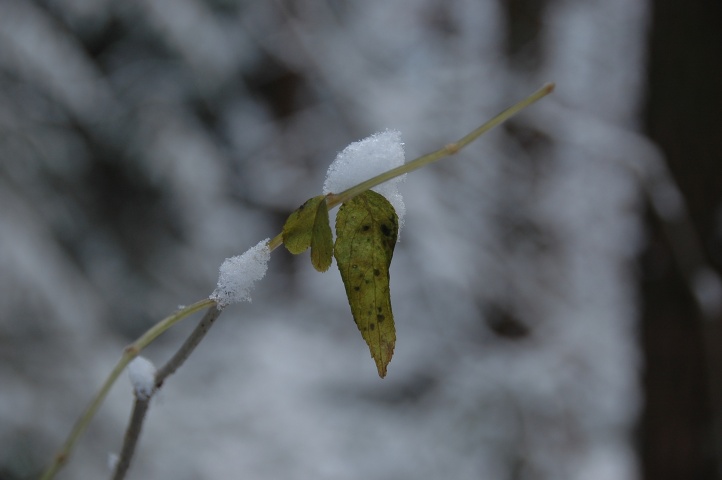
365 159
238 275
142 376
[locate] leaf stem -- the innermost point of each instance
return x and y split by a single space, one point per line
275 242
129 353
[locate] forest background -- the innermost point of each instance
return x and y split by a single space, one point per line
556 288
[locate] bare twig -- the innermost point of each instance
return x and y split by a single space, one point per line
135 424
130 352
188 346
132 434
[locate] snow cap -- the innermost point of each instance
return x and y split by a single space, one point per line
238 275
142 376
365 159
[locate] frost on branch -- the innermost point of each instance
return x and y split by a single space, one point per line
365 159
238 274
142 376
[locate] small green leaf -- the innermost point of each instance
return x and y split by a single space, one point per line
321 239
308 226
366 232
299 224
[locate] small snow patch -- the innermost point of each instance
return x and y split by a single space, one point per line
142 376
365 159
238 274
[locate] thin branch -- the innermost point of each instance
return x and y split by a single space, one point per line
130 352
132 434
334 200
448 150
135 424
188 346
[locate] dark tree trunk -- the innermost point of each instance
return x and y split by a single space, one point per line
679 428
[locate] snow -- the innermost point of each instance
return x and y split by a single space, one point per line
142 376
365 159
238 275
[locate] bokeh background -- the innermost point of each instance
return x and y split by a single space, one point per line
556 287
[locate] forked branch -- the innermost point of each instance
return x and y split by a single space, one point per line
63 455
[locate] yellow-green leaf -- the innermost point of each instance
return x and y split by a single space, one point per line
298 226
308 226
366 232
321 239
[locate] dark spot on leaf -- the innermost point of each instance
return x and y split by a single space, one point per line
365 228
377 272
380 318
372 326
356 288
385 230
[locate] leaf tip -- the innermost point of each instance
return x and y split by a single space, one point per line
382 361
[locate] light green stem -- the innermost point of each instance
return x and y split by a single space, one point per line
129 353
333 200
450 149
336 199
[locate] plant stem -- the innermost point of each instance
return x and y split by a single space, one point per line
333 200
141 405
450 149
129 353
132 434
188 346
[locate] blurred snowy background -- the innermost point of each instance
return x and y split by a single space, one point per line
142 142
